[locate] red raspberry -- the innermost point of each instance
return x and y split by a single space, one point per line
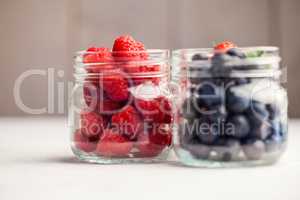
92 123
84 143
134 70
144 55
112 144
115 86
157 110
98 55
166 111
128 122
91 93
161 135
146 148
126 48
148 108
153 143
107 107
224 46
97 100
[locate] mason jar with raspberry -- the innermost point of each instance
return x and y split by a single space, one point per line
232 109
120 107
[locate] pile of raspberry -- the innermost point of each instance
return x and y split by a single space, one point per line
117 123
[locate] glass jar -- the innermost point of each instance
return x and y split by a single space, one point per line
232 107
121 110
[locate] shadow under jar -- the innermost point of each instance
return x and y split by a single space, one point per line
120 110
232 108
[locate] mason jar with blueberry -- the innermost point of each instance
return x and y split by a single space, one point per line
232 106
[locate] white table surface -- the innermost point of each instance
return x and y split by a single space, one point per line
37 163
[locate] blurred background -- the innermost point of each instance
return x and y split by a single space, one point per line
43 35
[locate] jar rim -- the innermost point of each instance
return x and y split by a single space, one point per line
266 64
269 55
156 56
157 62
148 51
177 52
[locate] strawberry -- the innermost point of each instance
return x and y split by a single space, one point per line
84 143
98 55
224 46
112 144
157 110
153 143
125 48
128 122
115 86
92 123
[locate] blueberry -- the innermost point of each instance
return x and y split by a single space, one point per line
207 132
217 113
207 88
259 109
215 118
189 110
254 149
229 150
209 94
199 56
275 137
207 138
258 117
239 125
221 141
236 104
275 140
273 145
283 130
275 128
189 140
220 58
199 150
261 131
257 113
236 52
273 111
219 68
187 134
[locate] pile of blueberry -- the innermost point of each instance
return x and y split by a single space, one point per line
217 124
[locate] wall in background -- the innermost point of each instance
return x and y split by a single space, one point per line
42 34
290 46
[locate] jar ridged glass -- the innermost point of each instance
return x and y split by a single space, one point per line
120 110
231 107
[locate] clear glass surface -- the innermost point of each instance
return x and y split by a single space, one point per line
231 109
